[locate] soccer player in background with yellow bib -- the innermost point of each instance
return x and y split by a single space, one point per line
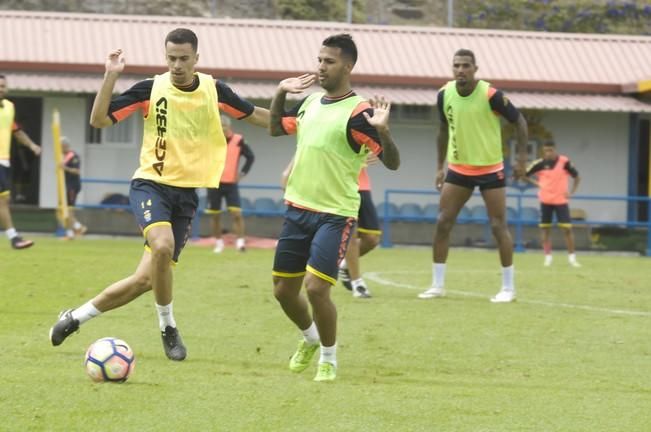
183 148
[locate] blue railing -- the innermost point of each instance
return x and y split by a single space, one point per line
518 222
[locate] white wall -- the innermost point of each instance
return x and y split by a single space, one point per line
596 142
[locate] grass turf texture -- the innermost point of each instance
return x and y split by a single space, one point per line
453 364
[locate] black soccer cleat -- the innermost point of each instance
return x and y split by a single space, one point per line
173 344
63 328
20 243
344 277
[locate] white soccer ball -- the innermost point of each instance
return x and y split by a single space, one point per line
109 360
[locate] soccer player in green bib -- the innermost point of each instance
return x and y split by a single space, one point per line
470 137
336 130
183 148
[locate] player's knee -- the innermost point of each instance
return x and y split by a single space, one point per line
162 248
444 224
498 225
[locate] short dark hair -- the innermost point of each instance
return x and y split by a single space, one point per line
182 36
549 143
2 76
465 53
345 42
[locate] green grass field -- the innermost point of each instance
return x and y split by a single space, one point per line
573 354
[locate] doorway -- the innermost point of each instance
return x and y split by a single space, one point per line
25 166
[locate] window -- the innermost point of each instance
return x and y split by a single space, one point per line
122 133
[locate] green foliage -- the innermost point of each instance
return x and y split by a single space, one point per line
320 10
455 364
580 16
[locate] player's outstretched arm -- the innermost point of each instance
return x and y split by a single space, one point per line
523 139
259 117
289 85
442 153
25 140
99 114
380 121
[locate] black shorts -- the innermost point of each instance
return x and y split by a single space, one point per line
311 241
71 196
5 180
494 180
230 192
367 220
562 215
156 204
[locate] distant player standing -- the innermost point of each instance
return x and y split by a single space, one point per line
553 172
228 188
183 149
9 128
335 132
71 166
470 137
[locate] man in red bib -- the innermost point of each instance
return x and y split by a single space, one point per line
553 171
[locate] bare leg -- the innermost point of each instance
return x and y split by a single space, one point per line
288 293
569 239
125 290
367 242
325 312
352 256
453 198
161 243
5 215
546 240
238 223
495 200
216 225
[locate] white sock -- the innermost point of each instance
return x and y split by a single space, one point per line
77 225
358 282
507 278
85 312
219 243
438 275
343 264
239 243
329 355
11 233
311 334
572 258
165 316
70 233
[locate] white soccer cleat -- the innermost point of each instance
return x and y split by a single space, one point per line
219 248
433 292
504 297
548 260
575 264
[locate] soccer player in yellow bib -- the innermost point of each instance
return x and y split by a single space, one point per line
470 138
336 130
9 128
183 149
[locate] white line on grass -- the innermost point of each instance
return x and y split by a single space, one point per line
378 278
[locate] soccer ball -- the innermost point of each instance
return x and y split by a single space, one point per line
109 359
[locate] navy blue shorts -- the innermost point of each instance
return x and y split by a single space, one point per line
229 192
156 204
311 241
5 180
71 196
367 221
486 181
562 215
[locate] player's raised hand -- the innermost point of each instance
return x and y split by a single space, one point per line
381 110
115 62
297 84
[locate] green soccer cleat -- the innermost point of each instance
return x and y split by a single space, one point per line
326 372
302 357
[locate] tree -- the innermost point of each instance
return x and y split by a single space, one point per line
580 16
320 10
